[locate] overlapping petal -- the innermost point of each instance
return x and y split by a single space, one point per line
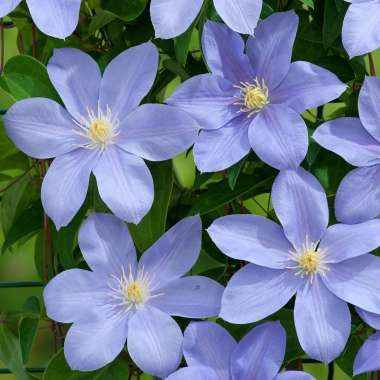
371 319
7 6
367 359
293 375
193 373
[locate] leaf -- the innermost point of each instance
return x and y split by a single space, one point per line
101 19
182 45
334 12
125 10
233 173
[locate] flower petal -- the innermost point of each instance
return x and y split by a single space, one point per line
175 252
190 297
322 320
93 344
224 53
209 345
260 352
294 375
356 281
361 33
41 128
270 50
347 138
358 195
205 95
74 294
345 241
220 149
128 78
106 245
7 6
193 373
255 292
301 205
125 184
65 185
171 18
56 18
278 135
251 238
154 342
157 132
369 318
368 357
307 86
76 77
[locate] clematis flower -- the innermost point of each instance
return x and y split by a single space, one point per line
171 18
102 130
324 267
121 300
361 30
213 354
253 99
56 18
358 142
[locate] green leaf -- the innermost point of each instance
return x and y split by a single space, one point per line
101 19
125 10
233 173
27 331
334 12
182 45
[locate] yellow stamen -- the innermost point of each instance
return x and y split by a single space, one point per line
135 292
100 131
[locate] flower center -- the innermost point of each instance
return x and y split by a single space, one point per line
136 293
100 131
253 97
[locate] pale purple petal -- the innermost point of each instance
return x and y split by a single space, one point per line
270 49
92 345
239 15
154 341
371 319
128 78
307 86
301 205
193 373
220 149
356 281
294 375
345 241
190 297
255 292
224 53
278 135
322 320
157 132
76 76
41 128
251 238
106 245
65 185
209 345
347 138
56 18
205 95
125 184
7 6
175 252
368 357
260 352
171 18
358 195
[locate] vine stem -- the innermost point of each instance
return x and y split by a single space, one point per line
330 375
372 68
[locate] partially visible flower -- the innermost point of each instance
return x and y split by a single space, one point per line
56 18
254 96
358 142
121 300
324 267
212 353
171 18
103 131
361 27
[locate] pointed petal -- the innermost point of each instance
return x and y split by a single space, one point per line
301 205
7 6
294 375
358 195
209 345
323 321
76 77
154 342
175 252
307 86
251 238
270 50
157 132
106 245
128 78
65 185
255 292
260 352
368 357
193 373
125 184
369 318
278 135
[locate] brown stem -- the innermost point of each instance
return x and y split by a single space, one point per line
34 41
372 68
